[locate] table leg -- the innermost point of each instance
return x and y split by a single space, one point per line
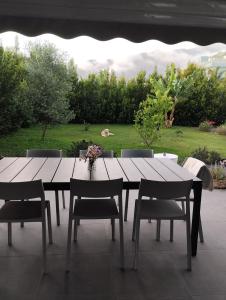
57 208
197 186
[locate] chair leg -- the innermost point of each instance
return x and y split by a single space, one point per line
201 232
134 223
63 200
126 205
171 230
75 230
49 224
10 234
68 255
188 231
122 255
183 207
158 229
113 229
135 261
57 208
44 245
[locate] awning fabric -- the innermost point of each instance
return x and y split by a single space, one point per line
170 21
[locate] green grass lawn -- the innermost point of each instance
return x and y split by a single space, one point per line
125 136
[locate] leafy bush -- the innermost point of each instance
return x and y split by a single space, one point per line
218 172
201 154
221 129
75 147
214 157
86 126
208 157
205 126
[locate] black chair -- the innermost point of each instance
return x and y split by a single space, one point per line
18 211
164 207
95 200
134 153
49 153
106 153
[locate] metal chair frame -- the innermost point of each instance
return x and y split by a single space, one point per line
17 211
96 193
164 207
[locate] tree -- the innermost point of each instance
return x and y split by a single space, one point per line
202 97
150 118
49 85
12 87
173 87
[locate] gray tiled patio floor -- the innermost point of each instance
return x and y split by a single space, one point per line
95 273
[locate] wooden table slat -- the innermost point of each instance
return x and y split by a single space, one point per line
99 171
81 170
131 171
65 170
46 173
30 170
165 172
114 169
5 162
147 170
13 169
177 169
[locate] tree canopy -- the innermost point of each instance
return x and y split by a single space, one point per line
49 85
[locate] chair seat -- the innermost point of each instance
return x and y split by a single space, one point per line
21 210
96 208
160 209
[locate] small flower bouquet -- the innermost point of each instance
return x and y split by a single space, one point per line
93 152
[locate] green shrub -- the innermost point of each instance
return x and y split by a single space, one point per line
218 172
221 129
86 126
205 126
75 147
214 157
201 154
208 157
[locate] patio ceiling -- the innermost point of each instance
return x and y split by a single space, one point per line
170 21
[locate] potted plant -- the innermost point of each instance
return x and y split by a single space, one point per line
219 176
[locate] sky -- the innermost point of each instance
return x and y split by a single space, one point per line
125 58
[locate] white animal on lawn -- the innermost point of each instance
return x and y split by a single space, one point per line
106 132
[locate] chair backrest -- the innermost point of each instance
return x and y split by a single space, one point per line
106 153
22 190
200 170
137 153
44 153
96 189
165 190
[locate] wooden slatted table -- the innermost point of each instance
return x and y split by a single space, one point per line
56 173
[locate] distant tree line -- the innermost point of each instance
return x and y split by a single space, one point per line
44 88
